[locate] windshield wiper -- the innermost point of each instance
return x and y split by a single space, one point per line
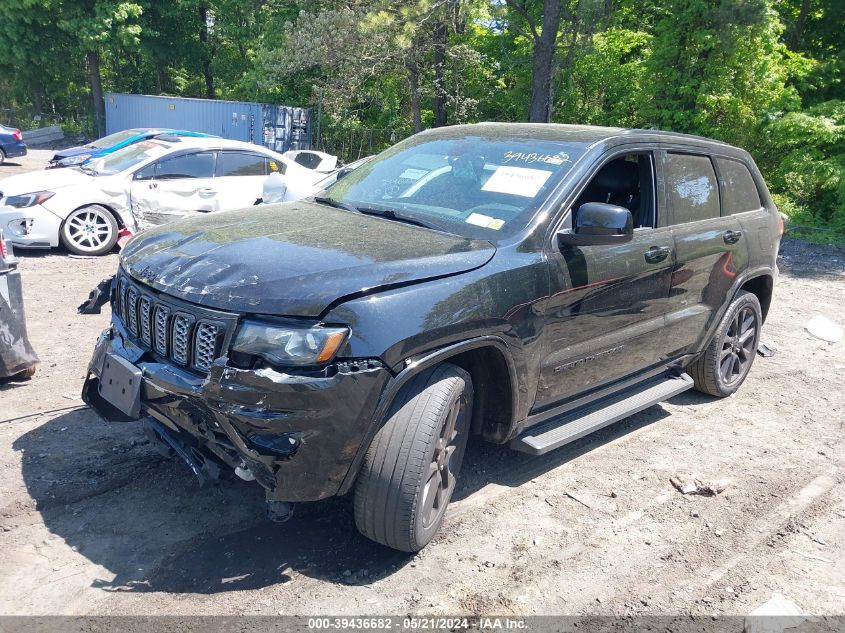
337 204
389 214
87 170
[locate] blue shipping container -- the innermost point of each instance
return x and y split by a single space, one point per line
280 128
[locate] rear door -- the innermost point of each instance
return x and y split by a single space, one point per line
607 303
174 187
239 178
709 250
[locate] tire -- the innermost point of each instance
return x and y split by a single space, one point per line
716 371
409 471
2 156
90 230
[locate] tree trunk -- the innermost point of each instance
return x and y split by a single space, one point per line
800 24
414 89
440 34
542 64
206 53
93 59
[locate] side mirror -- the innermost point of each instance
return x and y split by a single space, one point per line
598 223
343 172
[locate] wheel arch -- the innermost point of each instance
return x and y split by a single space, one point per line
489 364
761 286
120 223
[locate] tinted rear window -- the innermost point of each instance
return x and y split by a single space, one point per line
309 160
739 193
691 186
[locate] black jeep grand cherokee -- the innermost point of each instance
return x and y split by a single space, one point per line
525 283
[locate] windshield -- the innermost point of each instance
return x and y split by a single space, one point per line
113 139
124 158
473 186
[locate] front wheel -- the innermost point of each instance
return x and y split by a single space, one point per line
91 230
726 361
411 467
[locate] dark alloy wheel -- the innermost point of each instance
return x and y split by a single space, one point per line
739 344
441 476
412 465
727 359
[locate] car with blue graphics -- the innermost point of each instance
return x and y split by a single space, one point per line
111 143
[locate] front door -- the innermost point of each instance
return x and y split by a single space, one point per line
607 304
174 187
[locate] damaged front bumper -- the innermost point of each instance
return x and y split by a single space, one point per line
32 227
297 435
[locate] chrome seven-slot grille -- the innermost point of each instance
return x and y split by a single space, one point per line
187 338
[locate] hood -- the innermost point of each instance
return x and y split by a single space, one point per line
74 151
48 180
293 259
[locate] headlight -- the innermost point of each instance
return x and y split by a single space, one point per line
29 199
74 160
289 345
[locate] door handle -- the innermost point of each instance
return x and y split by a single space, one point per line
206 190
732 237
657 254
153 185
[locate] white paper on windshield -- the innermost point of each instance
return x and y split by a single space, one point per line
479 219
517 181
413 174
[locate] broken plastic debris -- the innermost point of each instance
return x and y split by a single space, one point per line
766 350
773 616
123 236
823 328
693 486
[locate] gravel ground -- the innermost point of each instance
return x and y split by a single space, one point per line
92 521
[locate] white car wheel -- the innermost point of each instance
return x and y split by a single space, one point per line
91 230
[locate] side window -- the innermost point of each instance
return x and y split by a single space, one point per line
691 187
626 181
199 165
147 173
275 166
240 164
739 193
309 160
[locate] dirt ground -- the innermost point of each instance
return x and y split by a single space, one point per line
92 521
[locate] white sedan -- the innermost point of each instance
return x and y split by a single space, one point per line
152 182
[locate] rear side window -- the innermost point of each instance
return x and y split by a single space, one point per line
275 166
240 164
691 187
739 193
309 160
186 166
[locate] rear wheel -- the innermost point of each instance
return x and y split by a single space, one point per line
91 230
2 156
726 361
411 467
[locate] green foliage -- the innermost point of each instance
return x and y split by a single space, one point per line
763 74
805 162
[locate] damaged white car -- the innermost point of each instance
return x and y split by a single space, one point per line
87 208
